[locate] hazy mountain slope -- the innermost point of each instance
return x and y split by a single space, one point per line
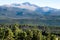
31 13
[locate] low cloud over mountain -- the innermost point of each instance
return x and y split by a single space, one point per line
28 11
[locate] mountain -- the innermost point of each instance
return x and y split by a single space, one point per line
29 12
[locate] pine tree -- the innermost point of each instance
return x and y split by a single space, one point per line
49 36
9 34
16 30
44 38
22 36
2 33
29 34
53 37
37 35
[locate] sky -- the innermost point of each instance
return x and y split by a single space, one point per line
41 3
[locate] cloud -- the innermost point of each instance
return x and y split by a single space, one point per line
46 9
27 7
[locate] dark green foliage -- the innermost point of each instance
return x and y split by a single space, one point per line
37 34
16 31
53 37
22 36
2 33
9 34
49 36
29 34
44 38
20 32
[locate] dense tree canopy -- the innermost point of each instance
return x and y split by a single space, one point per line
15 32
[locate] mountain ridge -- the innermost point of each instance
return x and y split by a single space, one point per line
30 11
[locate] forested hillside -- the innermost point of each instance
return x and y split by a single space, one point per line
25 32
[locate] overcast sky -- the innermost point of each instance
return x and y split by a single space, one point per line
41 3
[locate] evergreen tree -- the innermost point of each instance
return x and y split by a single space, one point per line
16 30
44 38
9 34
53 37
2 33
29 34
49 36
22 36
37 35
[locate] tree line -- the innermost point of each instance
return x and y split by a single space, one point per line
14 32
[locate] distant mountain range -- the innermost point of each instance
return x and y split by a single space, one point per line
45 15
